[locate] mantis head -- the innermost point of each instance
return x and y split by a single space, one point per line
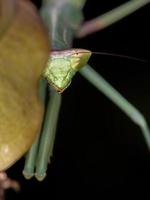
63 65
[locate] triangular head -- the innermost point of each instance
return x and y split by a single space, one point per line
63 65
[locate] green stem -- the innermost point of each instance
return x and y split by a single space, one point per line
111 17
133 113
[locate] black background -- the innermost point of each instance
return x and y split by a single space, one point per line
98 150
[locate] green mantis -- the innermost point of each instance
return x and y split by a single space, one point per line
64 62
60 70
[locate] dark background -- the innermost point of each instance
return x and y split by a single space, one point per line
98 150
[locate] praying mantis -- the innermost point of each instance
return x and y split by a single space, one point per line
61 68
52 11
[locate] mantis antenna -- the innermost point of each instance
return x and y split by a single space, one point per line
120 56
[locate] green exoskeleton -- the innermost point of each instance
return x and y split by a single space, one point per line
63 65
